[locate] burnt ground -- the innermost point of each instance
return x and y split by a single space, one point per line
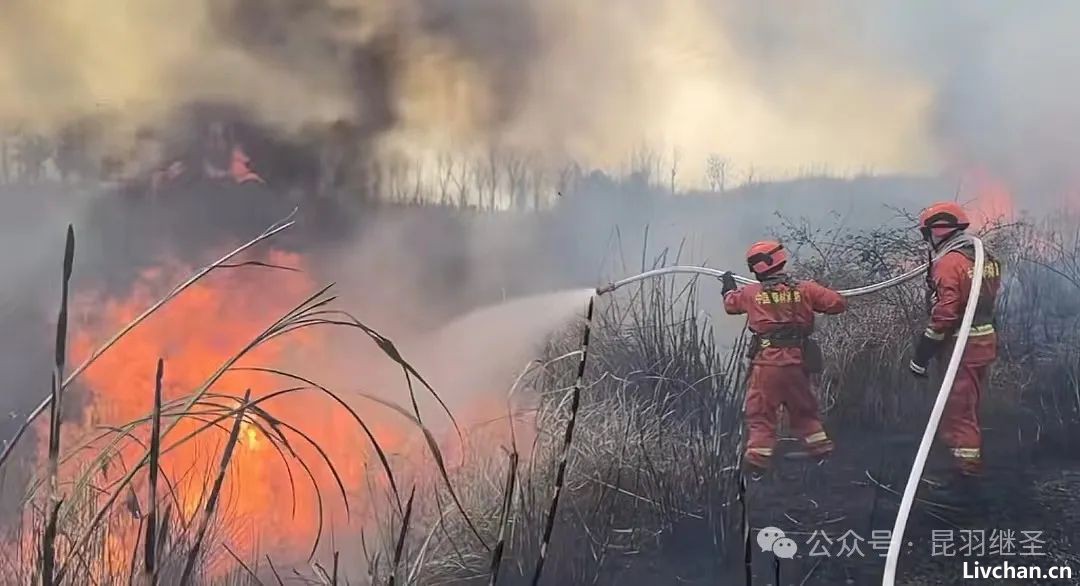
1034 489
1030 487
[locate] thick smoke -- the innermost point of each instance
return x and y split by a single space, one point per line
842 86
559 80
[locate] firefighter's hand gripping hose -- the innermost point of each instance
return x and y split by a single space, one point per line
908 498
897 538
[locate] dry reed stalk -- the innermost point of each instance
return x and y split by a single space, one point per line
245 567
150 554
297 313
274 571
269 232
560 476
48 546
211 503
504 518
399 548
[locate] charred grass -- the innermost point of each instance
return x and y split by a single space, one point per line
645 489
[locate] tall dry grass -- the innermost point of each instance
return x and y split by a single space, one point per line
648 487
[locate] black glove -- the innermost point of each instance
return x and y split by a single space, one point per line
925 349
728 280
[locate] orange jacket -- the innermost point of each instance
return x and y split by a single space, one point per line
950 280
772 308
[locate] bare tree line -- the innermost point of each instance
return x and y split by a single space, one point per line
498 179
501 180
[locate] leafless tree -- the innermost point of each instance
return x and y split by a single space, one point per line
568 178
32 152
536 187
515 180
492 176
445 170
461 182
716 172
751 176
645 165
674 168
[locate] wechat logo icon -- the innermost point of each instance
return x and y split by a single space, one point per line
773 539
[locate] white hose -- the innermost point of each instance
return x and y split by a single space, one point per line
897 538
865 290
908 498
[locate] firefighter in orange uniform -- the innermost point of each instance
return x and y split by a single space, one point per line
780 312
943 226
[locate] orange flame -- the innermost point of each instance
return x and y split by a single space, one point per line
194 334
993 200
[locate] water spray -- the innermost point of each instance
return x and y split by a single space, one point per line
906 501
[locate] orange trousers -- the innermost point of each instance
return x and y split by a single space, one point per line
772 387
959 429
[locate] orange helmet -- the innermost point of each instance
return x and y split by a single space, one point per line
766 257
942 219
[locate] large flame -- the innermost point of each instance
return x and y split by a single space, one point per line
195 334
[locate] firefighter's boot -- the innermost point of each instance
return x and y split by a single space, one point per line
960 492
816 458
753 474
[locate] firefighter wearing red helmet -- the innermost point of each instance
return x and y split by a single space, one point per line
780 313
943 226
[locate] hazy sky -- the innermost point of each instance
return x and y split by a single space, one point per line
836 85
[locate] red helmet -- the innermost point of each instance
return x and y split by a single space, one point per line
942 219
766 257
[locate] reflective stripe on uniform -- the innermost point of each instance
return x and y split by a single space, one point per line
817 438
967 453
760 451
983 330
975 331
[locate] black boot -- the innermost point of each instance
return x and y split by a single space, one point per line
753 474
808 457
961 492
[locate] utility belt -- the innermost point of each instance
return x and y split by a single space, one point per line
812 357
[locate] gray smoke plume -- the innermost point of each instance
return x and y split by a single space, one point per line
557 79
779 90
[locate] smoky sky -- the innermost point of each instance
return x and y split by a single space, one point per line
778 88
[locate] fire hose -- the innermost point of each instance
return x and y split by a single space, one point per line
897 536
908 498
865 290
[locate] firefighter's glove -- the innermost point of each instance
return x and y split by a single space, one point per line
728 280
925 350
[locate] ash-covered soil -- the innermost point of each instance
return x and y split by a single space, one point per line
839 515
